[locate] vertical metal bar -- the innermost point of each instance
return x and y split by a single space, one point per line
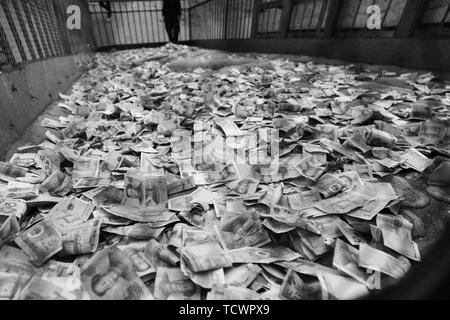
51 27
124 40
47 27
116 33
9 61
386 13
332 18
40 29
410 18
356 14
321 17
312 15
24 29
13 29
445 16
226 20
255 18
37 44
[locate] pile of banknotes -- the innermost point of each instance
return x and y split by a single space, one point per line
265 179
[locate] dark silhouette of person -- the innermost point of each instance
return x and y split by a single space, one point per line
172 12
107 6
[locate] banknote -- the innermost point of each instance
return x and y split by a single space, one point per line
172 284
382 262
11 170
341 288
294 288
40 289
243 187
137 231
57 184
9 285
262 255
23 159
70 211
49 161
329 185
397 235
16 261
156 250
40 242
242 275
181 185
9 206
350 234
143 191
86 168
139 215
232 293
304 199
111 275
82 238
346 259
9 227
136 253
205 256
22 190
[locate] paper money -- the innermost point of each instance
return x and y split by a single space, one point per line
397 235
9 206
58 184
243 275
136 253
110 275
49 161
232 293
23 159
294 288
82 238
205 256
9 285
172 284
40 242
262 255
382 262
9 227
180 186
341 288
70 211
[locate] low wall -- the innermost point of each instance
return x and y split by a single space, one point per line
420 54
27 91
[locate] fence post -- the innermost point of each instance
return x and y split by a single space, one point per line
332 18
285 19
255 17
225 22
410 18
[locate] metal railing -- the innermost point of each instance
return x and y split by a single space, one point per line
435 21
221 19
32 30
134 23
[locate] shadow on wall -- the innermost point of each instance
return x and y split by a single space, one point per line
27 91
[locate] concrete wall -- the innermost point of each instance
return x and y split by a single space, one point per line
421 54
26 92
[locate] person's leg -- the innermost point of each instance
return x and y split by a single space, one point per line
168 24
107 6
176 30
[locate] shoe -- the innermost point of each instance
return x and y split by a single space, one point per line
440 193
412 198
418 230
441 175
